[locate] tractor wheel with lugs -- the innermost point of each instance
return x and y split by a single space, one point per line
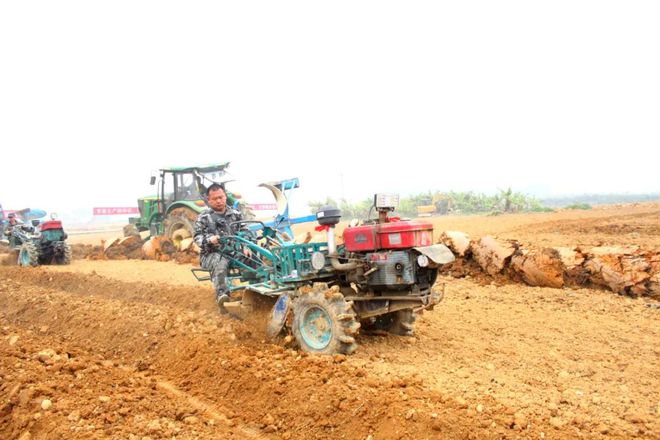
28 255
401 322
180 218
246 211
323 321
66 256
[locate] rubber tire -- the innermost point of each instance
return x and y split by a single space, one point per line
28 255
180 218
66 259
246 211
344 326
401 322
130 229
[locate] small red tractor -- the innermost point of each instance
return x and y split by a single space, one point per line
43 243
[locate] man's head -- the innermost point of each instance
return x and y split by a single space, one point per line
217 199
12 218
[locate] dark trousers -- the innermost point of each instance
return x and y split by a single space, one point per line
217 265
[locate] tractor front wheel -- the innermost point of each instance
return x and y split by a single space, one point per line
323 321
28 255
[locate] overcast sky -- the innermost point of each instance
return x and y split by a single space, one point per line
352 97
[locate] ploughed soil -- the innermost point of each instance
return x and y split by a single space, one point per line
135 349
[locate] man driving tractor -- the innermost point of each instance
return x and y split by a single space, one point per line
212 224
12 222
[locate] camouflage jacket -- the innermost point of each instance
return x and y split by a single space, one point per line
210 223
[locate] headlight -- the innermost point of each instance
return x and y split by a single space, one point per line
423 261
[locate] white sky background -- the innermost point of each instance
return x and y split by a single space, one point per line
549 98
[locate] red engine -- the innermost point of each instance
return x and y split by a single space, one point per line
390 235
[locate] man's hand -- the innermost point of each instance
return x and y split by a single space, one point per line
214 240
247 252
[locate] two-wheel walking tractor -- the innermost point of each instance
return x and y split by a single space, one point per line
322 294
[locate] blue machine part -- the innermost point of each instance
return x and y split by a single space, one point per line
281 191
316 328
31 214
278 316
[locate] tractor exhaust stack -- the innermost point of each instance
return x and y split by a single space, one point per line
328 217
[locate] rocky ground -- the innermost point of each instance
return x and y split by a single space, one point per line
135 349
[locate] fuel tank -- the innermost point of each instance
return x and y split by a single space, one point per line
390 235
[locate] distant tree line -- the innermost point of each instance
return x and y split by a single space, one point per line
458 202
470 202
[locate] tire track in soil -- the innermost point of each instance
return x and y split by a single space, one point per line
207 408
51 390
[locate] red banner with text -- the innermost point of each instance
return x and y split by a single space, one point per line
263 206
115 211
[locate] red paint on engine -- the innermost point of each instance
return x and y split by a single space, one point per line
51 224
395 235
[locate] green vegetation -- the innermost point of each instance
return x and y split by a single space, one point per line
479 203
504 201
349 210
579 206
461 202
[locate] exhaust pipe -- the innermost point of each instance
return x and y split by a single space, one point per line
328 217
334 257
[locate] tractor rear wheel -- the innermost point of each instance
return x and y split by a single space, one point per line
66 256
28 255
180 218
401 322
246 211
323 321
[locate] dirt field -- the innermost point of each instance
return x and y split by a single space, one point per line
135 349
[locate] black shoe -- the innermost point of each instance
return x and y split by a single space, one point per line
221 300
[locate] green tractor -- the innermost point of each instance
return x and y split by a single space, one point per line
180 199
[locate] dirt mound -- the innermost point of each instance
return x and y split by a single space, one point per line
193 298
80 251
134 248
9 259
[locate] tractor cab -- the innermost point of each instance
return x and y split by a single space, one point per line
180 198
